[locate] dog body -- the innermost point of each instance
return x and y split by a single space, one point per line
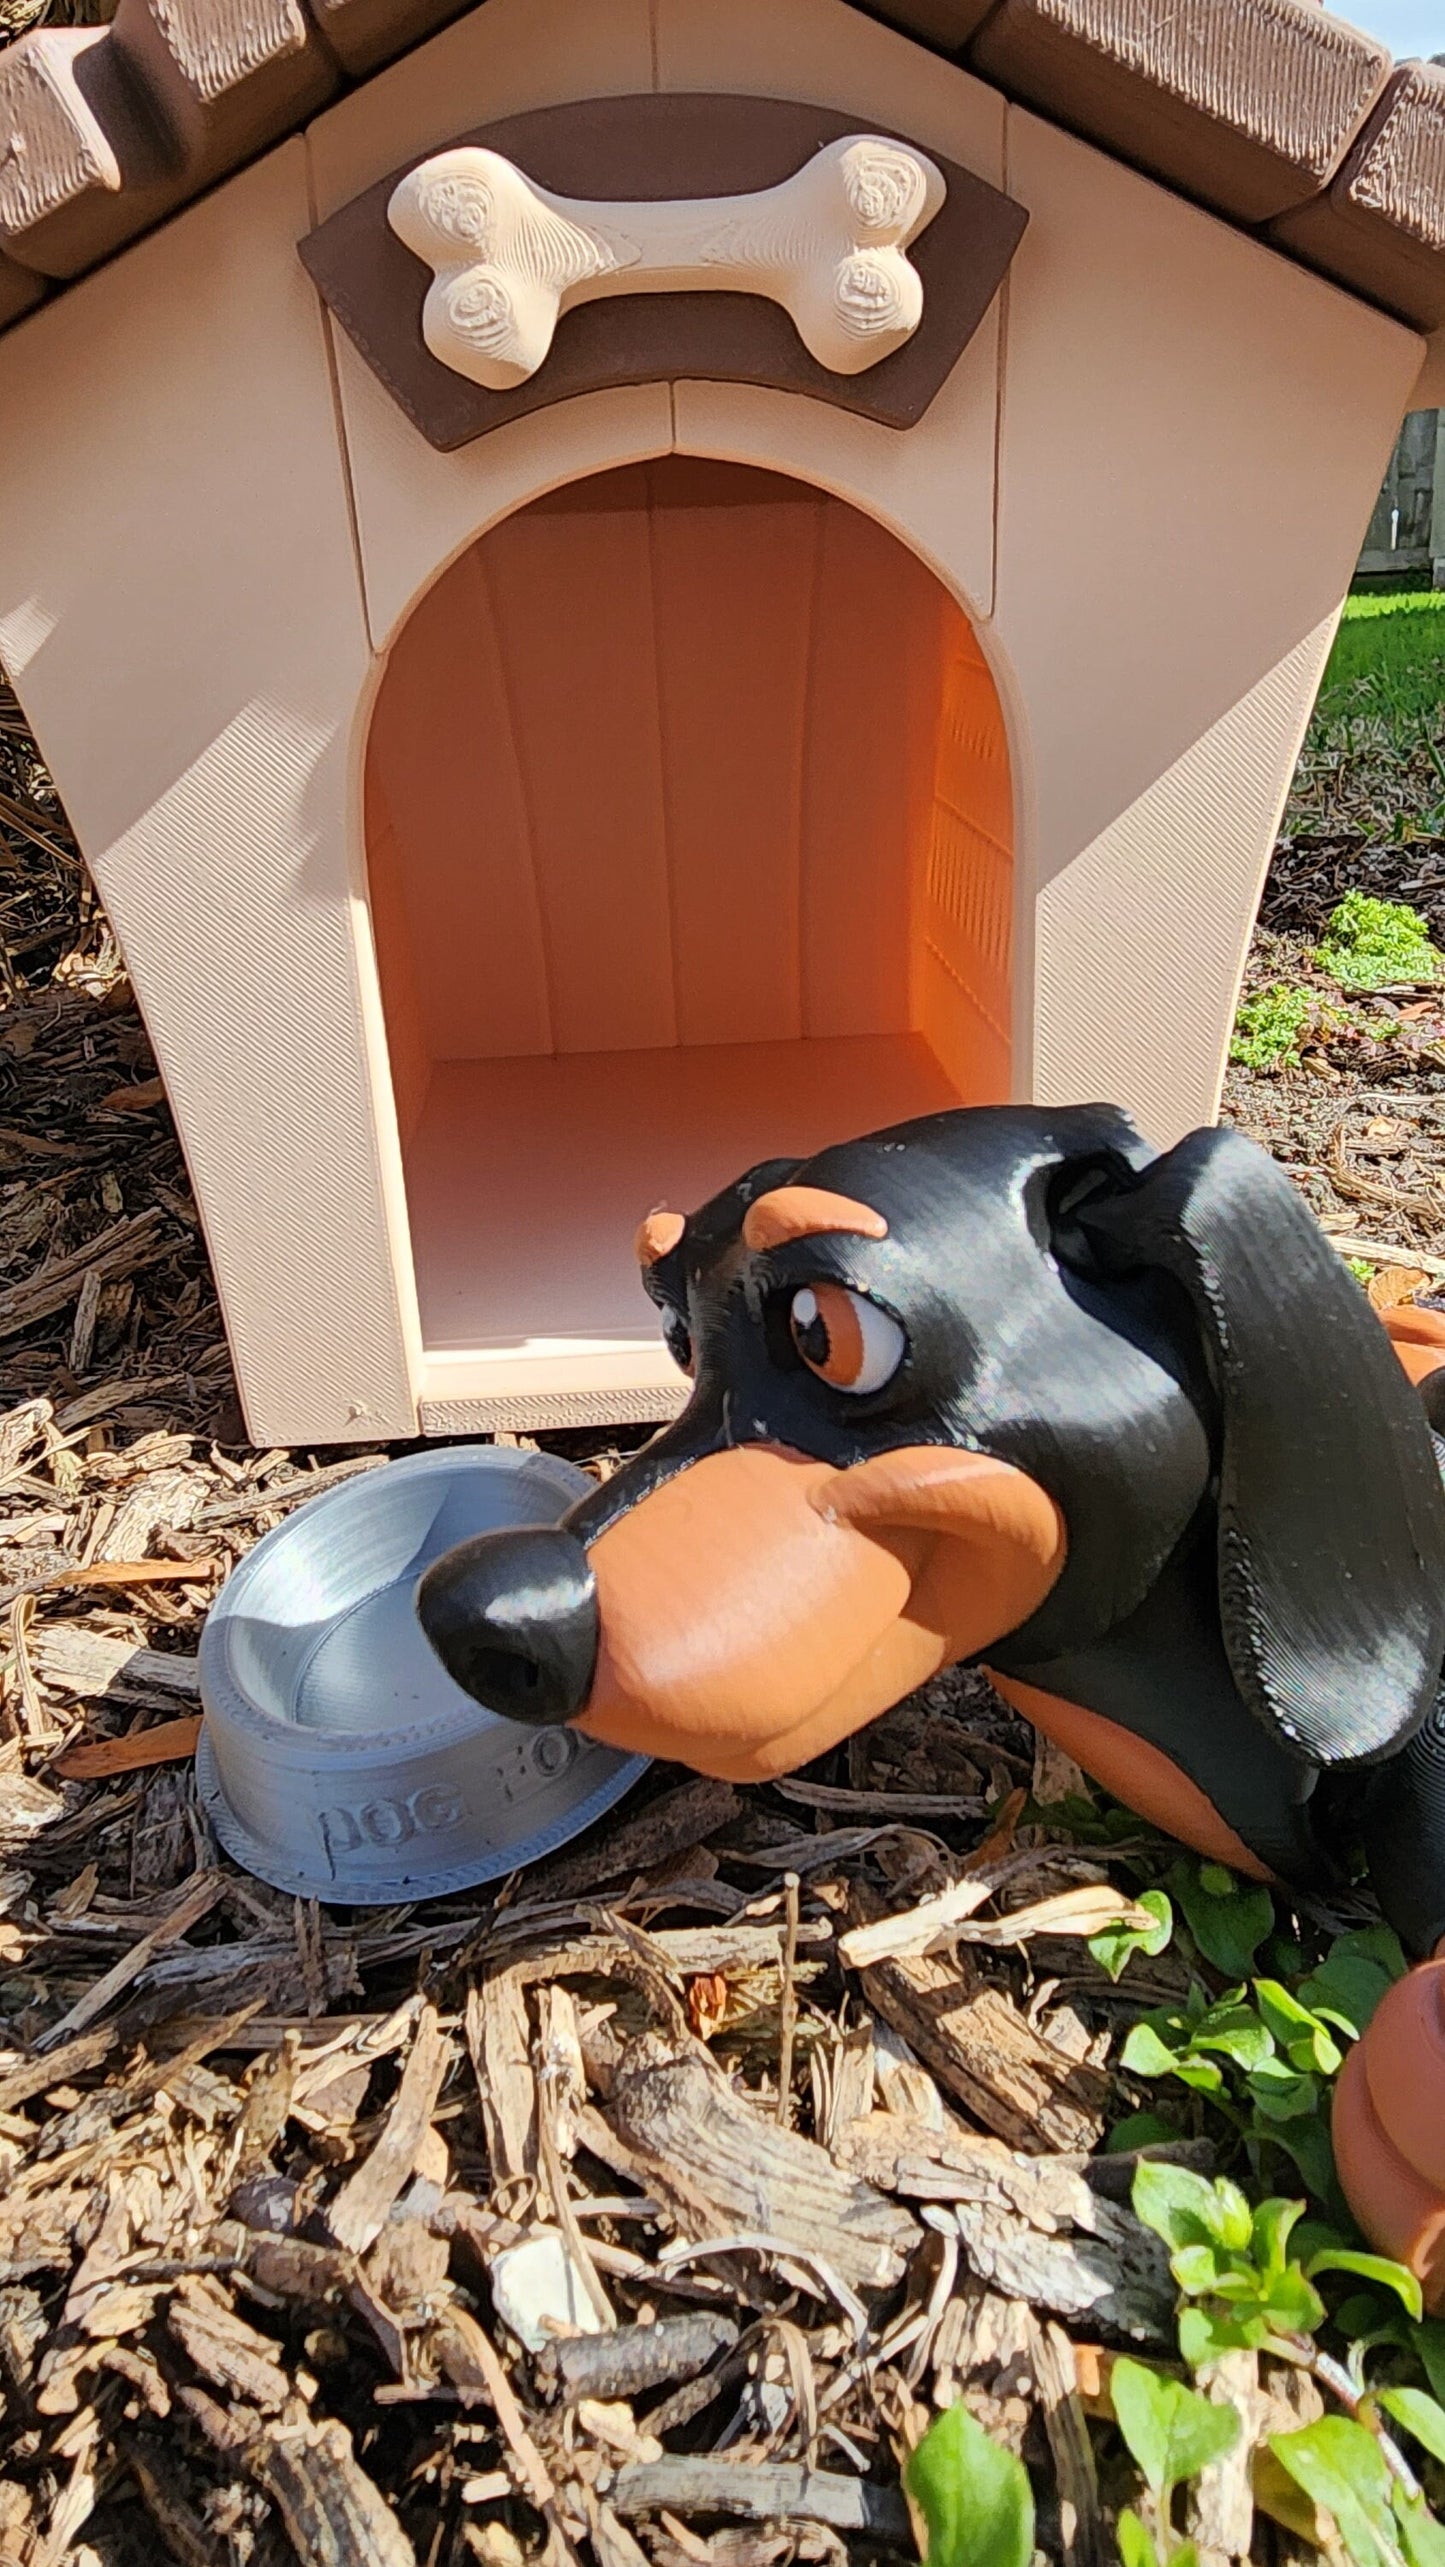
1004 1386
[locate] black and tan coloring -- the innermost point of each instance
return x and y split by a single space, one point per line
1003 1386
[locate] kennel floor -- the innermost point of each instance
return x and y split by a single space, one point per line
527 1178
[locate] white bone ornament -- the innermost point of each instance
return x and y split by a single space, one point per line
509 257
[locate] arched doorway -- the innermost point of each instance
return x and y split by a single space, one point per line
688 827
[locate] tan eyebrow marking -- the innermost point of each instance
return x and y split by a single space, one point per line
806 1212
657 1236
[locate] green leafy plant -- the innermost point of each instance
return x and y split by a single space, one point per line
1172 2432
1378 944
1114 1948
1341 2466
1264 2053
1357 1970
1228 1918
1231 2263
1251 2062
974 2496
1268 1027
1246 2278
1243 2289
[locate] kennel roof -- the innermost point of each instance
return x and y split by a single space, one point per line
1279 118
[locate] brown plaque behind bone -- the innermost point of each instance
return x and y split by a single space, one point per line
662 147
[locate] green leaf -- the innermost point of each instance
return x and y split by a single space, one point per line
1186 2209
1112 1948
1283 2093
1145 2054
1291 2304
1378 1943
1364 2319
974 2496
1201 2074
1340 2465
1284 1958
1306 2042
1427 2342
1307 2146
1347 1987
1377 944
1246 2042
1196 2270
1205 2334
1136 2549
1172 2431
1241 2284
1228 1924
1274 2221
1419 2414
1138 2130
1237 2032
1373 2268
1421 2536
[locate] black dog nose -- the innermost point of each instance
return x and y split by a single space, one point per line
513 1618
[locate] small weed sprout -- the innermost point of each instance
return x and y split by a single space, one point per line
1268 1027
1378 944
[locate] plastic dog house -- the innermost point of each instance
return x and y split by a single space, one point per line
549 733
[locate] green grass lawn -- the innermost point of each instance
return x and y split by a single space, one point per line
1373 758
1388 660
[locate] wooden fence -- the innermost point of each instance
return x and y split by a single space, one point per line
1407 530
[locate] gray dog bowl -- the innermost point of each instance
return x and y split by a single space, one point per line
338 1760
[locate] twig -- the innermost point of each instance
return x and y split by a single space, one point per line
355 2218
1349 1246
237 1510
201 1895
788 2001
121 1250
755 2242
833 1796
779 2491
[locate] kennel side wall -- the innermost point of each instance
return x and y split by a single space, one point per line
195 581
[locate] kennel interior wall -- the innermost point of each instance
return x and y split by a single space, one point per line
688 824
223 548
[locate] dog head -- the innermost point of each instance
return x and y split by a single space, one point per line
959 1389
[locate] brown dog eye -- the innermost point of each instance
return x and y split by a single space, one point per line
844 1338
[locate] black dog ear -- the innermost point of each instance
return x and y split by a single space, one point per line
1331 1510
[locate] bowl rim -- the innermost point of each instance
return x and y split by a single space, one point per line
225 1699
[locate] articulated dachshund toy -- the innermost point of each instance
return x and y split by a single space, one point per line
1004 1386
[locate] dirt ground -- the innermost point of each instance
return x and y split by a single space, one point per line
275 2180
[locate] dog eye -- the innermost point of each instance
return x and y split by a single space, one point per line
844 1338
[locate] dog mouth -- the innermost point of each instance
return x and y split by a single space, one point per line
754 1608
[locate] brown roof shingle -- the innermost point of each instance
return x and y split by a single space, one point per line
1380 227
1250 105
1271 113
